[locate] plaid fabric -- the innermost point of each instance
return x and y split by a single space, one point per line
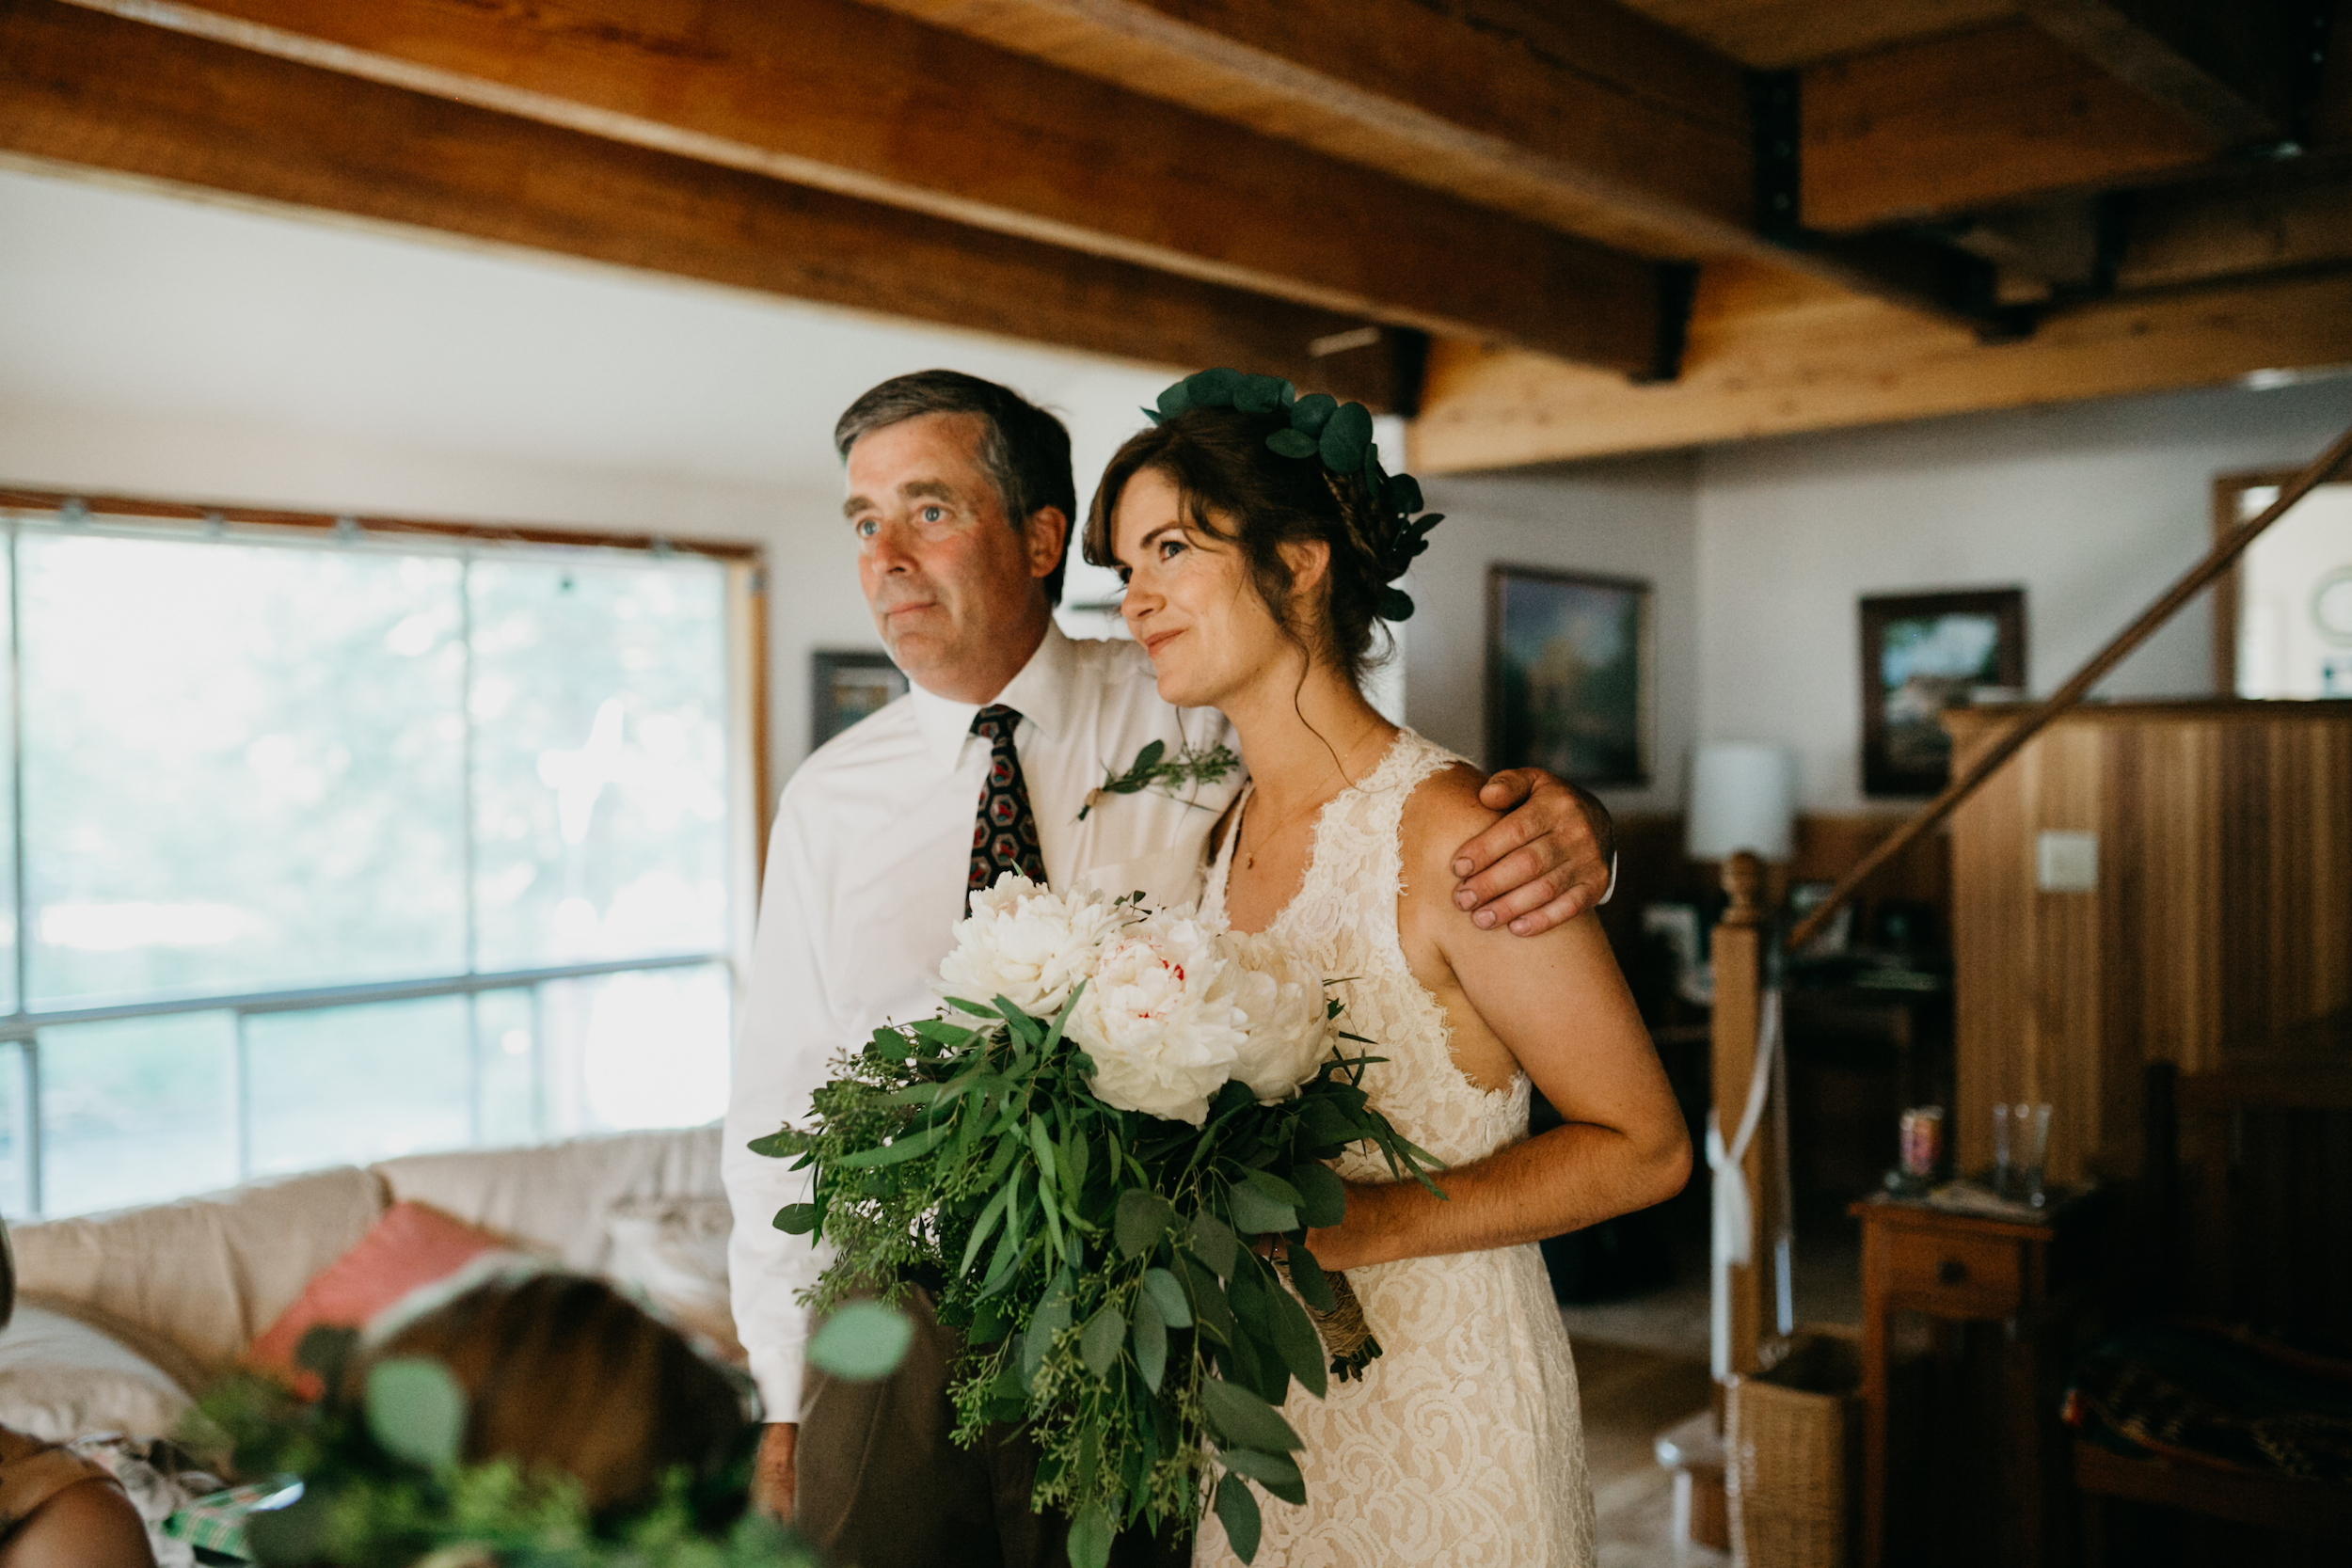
2209 1396
216 1522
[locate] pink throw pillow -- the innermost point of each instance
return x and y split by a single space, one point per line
412 1247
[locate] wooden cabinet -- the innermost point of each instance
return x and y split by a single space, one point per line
1949 1272
1957 1269
2222 911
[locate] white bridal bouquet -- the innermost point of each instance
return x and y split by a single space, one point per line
1090 1170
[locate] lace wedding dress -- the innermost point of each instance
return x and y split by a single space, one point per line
1463 1444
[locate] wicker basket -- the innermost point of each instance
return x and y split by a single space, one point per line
1792 1456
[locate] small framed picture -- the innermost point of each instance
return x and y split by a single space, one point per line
846 686
1921 654
1568 675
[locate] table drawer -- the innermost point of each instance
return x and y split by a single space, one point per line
1954 1275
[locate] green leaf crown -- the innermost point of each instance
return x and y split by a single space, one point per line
1341 435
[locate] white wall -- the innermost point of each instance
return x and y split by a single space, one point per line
1635 519
2093 508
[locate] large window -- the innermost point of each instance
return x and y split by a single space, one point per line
328 847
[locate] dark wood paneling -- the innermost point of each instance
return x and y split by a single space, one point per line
2222 919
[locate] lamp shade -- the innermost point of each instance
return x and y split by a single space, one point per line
1743 796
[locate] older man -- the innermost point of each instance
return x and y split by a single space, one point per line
961 497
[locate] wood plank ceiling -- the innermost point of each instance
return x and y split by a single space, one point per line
1549 228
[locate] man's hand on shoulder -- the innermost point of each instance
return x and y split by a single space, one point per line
1547 862
772 1487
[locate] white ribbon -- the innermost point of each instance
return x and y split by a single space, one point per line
1733 1239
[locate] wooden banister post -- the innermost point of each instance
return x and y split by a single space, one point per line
1739 958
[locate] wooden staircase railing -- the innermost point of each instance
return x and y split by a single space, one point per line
1738 940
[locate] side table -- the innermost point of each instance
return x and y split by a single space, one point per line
2028 1276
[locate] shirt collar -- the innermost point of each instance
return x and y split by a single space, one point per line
1039 693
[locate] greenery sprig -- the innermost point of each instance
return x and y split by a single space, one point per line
383 1483
1339 434
1103 1265
1155 769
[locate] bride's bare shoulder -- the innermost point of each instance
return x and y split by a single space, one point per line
1442 816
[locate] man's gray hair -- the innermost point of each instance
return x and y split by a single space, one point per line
1025 452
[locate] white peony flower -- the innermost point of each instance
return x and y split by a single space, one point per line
1158 1021
1288 1027
1028 944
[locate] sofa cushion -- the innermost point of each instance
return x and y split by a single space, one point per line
412 1247
62 1379
555 1198
204 1273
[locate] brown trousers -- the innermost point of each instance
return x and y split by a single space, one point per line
881 1484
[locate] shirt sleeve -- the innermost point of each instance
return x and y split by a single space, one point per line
781 1047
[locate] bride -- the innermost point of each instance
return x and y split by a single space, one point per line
1254 580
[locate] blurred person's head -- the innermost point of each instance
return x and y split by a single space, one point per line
961 497
560 1370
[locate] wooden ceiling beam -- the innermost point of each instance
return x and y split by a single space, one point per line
1770 354
2196 233
2228 70
80 90
864 103
1577 114
1782 34
1977 119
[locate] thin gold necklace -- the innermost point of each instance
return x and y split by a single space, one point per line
1249 857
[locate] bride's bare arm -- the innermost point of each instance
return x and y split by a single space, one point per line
1553 1005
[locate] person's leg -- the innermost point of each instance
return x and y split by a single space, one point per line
88 1525
1029 1538
1138 1548
881 1481
1032 1540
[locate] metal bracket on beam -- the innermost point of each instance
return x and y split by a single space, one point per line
1408 367
1903 268
1396 388
1677 290
1775 127
2307 67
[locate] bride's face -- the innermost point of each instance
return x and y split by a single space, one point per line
1190 601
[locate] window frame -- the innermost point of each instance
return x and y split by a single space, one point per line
749 793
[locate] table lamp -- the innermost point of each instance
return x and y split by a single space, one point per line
1743 796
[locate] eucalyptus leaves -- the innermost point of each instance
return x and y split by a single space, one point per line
1084 1169
1153 769
1339 434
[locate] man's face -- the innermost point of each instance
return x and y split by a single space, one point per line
956 591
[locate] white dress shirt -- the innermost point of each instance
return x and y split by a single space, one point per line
866 869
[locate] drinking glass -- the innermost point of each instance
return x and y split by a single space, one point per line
2020 1148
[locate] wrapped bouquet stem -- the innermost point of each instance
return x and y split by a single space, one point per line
1112 1163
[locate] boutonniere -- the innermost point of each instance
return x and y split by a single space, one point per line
1153 769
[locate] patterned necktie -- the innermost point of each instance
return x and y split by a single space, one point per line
1003 836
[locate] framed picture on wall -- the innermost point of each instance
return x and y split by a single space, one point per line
1568 675
845 685
1921 654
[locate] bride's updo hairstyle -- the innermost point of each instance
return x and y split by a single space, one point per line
1256 468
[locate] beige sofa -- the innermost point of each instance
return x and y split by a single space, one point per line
189 1285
